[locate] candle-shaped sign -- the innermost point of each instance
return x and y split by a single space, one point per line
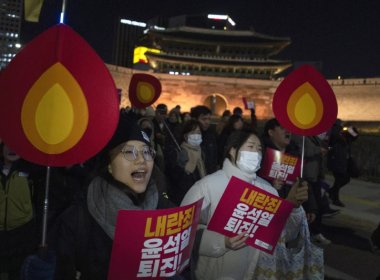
144 90
304 103
59 103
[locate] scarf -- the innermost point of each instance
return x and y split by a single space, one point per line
195 159
105 198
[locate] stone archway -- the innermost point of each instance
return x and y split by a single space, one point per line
217 103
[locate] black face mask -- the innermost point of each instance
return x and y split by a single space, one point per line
148 131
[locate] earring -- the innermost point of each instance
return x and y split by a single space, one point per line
109 168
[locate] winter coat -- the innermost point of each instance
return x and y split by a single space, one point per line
210 150
215 261
82 245
313 157
337 159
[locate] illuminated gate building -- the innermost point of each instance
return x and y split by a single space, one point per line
210 46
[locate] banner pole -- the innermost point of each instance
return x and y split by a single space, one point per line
46 208
303 154
63 11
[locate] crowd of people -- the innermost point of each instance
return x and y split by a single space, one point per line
162 159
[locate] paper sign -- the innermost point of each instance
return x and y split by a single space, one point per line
153 244
248 104
278 165
246 208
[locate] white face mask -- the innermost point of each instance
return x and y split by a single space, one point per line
249 162
194 139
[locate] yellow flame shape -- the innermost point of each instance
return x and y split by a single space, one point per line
145 92
54 114
305 107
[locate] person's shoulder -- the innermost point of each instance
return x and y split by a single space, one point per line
212 180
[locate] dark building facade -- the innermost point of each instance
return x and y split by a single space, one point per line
10 22
128 33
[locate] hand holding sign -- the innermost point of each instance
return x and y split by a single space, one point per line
248 104
237 242
248 214
298 194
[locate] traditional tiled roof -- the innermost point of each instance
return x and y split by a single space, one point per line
218 36
220 61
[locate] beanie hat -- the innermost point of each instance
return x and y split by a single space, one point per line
127 130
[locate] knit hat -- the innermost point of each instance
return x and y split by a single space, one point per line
127 130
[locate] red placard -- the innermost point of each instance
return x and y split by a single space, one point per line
59 104
153 244
304 103
144 90
278 165
246 208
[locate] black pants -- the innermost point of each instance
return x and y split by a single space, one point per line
15 246
340 180
315 226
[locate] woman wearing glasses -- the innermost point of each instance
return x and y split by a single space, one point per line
84 234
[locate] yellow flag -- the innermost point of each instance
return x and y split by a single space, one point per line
32 9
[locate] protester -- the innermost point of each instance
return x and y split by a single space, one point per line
339 157
83 235
174 124
223 121
18 232
187 166
237 111
221 257
185 116
278 138
314 151
209 145
160 132
234 123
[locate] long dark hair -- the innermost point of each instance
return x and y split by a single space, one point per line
236 140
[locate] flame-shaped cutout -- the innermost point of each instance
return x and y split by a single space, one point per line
305 107
58 101
145 92
304 103
54 114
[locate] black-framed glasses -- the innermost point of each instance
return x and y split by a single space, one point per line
130 153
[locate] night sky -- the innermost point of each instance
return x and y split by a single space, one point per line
344 35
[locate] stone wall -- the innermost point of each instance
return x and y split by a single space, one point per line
358 99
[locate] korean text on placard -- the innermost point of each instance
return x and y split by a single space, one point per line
167 237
